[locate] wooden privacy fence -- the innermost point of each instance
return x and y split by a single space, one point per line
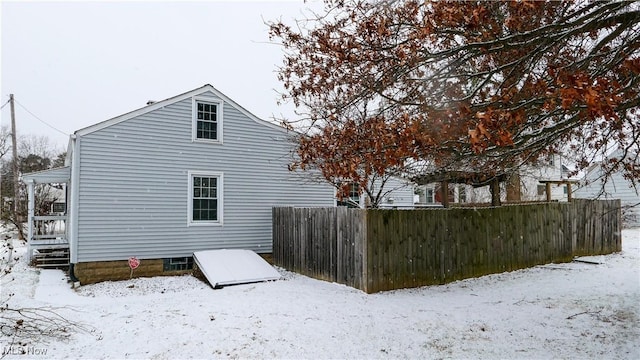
376 250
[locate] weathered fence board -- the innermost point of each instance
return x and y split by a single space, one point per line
377 250
598 225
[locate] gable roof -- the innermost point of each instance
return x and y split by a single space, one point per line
617 152
160 104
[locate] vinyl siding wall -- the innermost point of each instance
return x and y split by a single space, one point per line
133 185
400 195
615 188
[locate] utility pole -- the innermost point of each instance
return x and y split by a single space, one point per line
14 145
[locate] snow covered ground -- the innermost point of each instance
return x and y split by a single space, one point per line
573 310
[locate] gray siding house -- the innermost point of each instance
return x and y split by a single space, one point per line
616 187
398 194
189 173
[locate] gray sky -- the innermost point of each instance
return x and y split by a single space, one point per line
73 64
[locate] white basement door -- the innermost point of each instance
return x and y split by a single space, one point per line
229 267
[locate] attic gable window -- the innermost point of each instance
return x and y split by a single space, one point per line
207 120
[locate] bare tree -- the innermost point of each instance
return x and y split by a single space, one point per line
39 145
35 153
5 141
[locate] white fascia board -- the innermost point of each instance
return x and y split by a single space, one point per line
247 112
138 112
69 155
244 111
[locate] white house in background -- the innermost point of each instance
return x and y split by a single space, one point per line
189 173
397 193
532 187
400 194
616 187
553 169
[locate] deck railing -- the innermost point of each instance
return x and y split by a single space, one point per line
48 244
49 230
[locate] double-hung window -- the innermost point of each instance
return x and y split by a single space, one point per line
205 198
207 120
353 196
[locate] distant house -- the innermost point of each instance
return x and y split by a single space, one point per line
532 186
399 194
430 195
534 179
616 187
396 193
192 172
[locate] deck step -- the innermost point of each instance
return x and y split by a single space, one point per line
46 260
53 256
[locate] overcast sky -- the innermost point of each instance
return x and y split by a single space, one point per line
73 64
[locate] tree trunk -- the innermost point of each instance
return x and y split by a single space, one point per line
495 192
513 188
444 188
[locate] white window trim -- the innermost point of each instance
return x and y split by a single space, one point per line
220 177
194 119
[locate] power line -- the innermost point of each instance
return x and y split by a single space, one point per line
5 104
42 121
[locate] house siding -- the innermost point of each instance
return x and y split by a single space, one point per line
133 185
400 194
615 188
530 177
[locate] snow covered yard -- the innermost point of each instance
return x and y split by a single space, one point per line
574 310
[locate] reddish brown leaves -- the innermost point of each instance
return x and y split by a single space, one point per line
599 96
459 84
359 148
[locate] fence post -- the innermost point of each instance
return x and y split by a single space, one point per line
338 257
363 238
